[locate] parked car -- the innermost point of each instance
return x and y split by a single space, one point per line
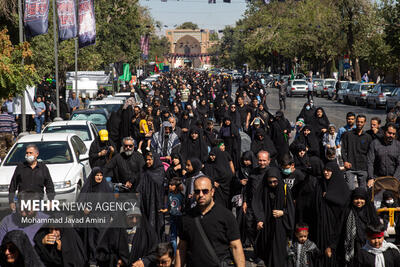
318 86
392 99
329 87
127 95
65 155
86 130
297 87
342 91
350 85
109 103
377 96
358 93
98 116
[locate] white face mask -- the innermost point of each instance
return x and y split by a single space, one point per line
30 159
390 201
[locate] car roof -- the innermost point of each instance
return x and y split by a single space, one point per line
330 79
67 123
299 80
108 100
45 137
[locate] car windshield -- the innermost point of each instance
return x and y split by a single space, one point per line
299 83
96 118
388 89
343 85
367 87
317 82
329 83
54 152
80 130
109 107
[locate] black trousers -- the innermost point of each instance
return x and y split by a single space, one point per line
310 96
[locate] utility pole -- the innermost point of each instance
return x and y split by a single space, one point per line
21 40
56 55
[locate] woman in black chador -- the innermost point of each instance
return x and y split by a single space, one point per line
330 198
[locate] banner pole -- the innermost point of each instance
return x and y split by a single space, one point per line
21 40
56 56
76 49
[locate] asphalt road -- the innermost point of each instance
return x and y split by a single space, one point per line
335 111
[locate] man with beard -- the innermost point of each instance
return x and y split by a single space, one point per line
274 211
209 230
126 167
101 150
165 140
355 146
376 130
384 156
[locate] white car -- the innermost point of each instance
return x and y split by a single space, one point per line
86 130
127 95
109 103
64 154
297 87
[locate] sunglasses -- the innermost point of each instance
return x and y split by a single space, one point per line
273 182
204 191
128 145
11 248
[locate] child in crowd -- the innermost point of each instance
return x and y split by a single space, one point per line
329 138
174 206
145 133
377 252
303 252
390 201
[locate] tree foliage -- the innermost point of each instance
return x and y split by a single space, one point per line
14 77
188 26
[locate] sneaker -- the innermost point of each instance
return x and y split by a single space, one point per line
140 151
148 148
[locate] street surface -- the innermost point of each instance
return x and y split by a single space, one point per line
335 111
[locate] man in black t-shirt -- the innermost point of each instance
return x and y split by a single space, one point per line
219 225
244 112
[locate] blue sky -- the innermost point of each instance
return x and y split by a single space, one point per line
207 16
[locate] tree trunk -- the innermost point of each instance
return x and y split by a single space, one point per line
357 69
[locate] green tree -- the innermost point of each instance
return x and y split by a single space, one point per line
14 77
214 36
188 25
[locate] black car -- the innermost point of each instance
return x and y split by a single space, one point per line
98 116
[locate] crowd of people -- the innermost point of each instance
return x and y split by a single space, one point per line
217 174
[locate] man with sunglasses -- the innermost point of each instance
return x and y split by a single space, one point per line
126 167
219 226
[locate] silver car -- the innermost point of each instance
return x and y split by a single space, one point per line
318 86
297 87
358 93
329 87
392 99
342 91
377 96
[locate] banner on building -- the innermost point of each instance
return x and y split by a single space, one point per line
67 27
86 23
36 17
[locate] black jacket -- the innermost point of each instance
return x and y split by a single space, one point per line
355 149
35 180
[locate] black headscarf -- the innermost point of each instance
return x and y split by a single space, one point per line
27 255
72 250
194 148
337 190
151 189
91 186
265 144
320 123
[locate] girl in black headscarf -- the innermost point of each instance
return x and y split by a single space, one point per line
185 122
262 141
280 130
194 145
229 133
176 167
151 189
320 122
218 168
95 190
234 115
192 172
330 197
307 113
66 251
274 210
350 236
309 140
202 109
16 251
